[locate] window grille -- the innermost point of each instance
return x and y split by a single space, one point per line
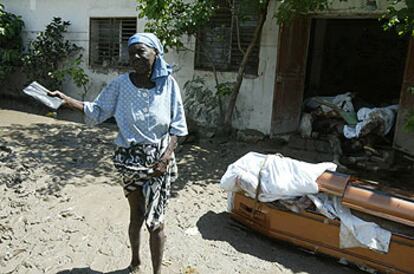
109 41
218 43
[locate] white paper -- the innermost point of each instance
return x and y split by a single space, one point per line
40 93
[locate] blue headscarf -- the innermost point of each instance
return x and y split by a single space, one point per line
161 69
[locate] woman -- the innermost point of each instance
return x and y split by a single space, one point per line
148 110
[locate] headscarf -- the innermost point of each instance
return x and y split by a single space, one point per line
161 69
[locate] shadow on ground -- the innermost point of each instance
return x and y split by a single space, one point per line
63 151
220 227
88 270
70 151
206 162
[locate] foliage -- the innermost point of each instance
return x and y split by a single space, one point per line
51 58
10 42
409 126
289 8
170 19
401 19
224 89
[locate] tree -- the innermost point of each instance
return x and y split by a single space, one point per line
10 42
401 19
172 19
51 58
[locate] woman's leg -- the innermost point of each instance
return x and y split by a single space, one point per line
137 210
157 241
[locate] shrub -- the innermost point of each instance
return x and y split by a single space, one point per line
11 27
51 58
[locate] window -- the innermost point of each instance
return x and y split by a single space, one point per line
109 41
218 42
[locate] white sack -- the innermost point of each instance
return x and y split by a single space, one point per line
281 177
366 115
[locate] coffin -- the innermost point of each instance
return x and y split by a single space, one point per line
390 208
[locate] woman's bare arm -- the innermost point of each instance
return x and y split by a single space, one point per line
161 166
68 101
170 149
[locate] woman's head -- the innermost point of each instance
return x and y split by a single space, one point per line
142 58
143 49
146 56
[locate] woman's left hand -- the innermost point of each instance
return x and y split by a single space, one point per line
160 168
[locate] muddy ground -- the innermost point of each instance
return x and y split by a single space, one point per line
62 209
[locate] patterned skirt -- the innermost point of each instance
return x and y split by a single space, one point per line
135 167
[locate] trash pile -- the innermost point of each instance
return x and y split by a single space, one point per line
363 135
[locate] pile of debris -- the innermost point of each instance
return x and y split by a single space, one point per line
360 137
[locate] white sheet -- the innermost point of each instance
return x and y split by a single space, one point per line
354 232
281 177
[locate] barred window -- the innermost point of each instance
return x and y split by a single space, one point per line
109 41
218 42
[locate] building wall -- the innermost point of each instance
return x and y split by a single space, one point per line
38 13
254 104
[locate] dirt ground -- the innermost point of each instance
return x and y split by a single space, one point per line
62 209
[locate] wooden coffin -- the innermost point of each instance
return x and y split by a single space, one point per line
369 197
320 235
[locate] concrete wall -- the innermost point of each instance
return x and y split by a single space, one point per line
38 13
254 105
357 7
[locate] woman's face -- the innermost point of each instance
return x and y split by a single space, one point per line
141 58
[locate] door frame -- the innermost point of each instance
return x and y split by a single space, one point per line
277 96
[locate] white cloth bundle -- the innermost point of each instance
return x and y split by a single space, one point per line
281 177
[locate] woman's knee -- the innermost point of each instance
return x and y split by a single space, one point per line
158 233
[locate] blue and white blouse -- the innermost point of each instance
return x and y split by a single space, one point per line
143 116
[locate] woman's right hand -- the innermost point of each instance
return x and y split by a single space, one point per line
67 101
58 94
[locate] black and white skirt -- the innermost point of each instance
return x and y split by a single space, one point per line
135 166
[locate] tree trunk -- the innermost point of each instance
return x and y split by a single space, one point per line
242 68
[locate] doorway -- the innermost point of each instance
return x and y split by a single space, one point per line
358 56
326 57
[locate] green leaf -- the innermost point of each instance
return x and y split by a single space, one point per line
409 126
52 59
